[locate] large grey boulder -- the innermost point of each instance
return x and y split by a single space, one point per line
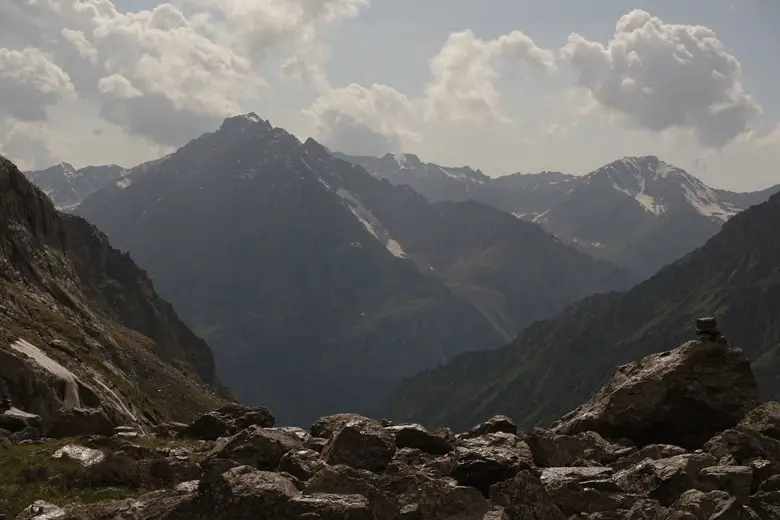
682 397
227 421
490 459
362 445
261 448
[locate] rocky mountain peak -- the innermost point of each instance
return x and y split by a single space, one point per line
246 122
403 161
660 188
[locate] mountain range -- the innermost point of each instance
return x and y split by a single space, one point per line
735 276
319 286
639 212
82 326
67 187
323 280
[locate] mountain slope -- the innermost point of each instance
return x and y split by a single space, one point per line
511 271
81 313
307 311
638 212
553 365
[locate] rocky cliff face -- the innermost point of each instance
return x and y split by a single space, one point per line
81 327
627 454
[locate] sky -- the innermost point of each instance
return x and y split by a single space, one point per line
501 85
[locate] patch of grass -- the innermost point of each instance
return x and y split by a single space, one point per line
29 474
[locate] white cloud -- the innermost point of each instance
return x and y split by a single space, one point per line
361 120
379 119
26 143
118 86
662 76
165 74
29 82
465 72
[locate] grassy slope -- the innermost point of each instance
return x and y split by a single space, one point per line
555 365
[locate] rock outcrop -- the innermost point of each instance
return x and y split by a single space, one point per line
85 342
619 457
267 472
682 397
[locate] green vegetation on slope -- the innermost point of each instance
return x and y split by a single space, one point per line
554 365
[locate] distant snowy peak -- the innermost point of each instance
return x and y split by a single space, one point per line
659 187
406 164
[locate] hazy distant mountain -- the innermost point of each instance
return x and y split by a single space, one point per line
554 365
436 183
512 271
638 212
67 187
320 286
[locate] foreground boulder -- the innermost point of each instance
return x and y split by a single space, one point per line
764 419
682 397
329 507
490 459
79 421
665 479
261 448
14 420
552 450
227 421
244 493
362 445
416 437
524 497
326 427
496 424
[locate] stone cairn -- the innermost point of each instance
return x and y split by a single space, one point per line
707 331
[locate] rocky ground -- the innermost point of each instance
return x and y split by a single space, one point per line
677 435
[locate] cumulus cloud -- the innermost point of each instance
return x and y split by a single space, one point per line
466 69
663 76
165 74
364 120
379 119
118 86
25 143
28 82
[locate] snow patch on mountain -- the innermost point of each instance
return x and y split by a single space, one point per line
541 217
400 159
70 383
370 222
655 185
704 200
254 118
588 243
